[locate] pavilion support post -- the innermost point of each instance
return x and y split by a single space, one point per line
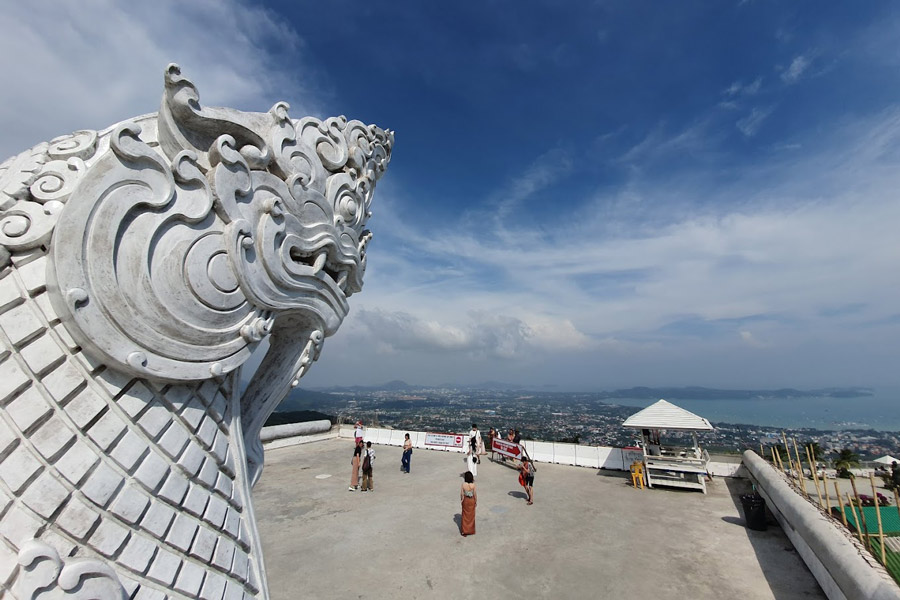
878 513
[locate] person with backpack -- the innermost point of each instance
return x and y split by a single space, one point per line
472 461
354 465
527 474
472 452
368 462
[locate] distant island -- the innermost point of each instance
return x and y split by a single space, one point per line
702 393
634 393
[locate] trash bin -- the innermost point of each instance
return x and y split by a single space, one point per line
754 511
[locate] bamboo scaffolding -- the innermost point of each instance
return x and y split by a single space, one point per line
862 514
787 450
761 453
897 501
800 475
815 476
878 513
837 495
855 518
780 463
827 499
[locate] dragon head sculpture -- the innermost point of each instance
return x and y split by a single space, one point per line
154 257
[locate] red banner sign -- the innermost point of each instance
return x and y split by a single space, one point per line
506 448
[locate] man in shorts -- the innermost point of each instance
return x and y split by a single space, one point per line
528 472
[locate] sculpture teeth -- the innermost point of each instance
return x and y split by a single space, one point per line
364 241
342 281
319 264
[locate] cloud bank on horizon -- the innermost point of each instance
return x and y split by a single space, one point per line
595 197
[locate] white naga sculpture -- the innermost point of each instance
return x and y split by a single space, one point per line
141 265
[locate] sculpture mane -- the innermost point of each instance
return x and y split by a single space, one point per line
141 266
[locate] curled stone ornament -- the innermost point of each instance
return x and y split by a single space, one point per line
139 268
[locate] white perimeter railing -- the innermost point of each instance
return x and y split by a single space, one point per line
595 457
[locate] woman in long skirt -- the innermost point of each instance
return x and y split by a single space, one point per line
469 499
354 465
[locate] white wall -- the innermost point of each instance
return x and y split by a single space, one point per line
594 457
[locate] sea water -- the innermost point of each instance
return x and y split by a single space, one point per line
880 411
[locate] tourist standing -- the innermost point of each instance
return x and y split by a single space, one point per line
528 472
491 435
509 438
358 432
469 499
368 463
472 461
354 465
407 454
479 444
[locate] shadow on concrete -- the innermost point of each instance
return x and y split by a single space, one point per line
457 518
521 495
514 465
766 544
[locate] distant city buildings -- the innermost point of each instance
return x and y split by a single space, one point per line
560 416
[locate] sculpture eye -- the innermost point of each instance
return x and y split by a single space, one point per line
349 207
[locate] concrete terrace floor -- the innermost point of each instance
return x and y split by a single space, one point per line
589 534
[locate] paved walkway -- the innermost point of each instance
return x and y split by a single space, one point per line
588 534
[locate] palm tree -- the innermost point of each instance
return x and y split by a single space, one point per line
818 451
783 454
845 460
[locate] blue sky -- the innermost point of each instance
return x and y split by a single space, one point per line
585 195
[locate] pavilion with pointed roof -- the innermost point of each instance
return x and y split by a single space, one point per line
669 466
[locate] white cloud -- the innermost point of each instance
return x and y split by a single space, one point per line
751 340
761 263
483 333
739 89
121 49
753 88
660 143
750 124
795 70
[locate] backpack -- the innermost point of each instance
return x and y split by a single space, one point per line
367 464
